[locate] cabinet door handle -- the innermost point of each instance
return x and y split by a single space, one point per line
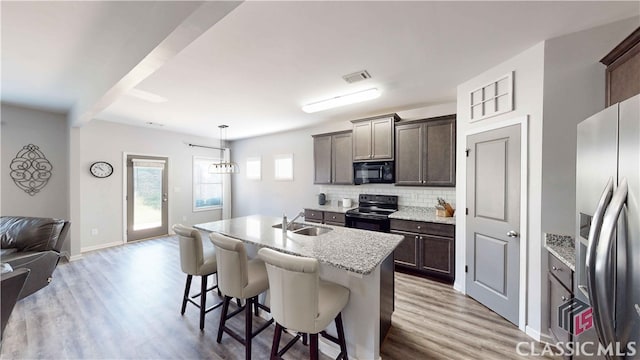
555 268
419 227
564 298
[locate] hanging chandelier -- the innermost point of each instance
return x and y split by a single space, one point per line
223 167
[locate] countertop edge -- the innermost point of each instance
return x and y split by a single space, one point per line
561 246
356 271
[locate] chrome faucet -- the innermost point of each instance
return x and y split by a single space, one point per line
292 221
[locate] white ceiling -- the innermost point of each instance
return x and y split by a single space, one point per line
255 68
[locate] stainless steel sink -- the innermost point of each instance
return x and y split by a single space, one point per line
291 226
312 231
304 229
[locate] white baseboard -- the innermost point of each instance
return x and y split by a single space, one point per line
533 333
329 348
546 338
75 257
101 246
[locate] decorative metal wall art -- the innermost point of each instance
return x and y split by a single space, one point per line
30 169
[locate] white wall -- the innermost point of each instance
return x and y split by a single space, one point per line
574 89
558 83
528 68
23 126
100 202
270 197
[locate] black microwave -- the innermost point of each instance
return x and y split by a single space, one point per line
379 172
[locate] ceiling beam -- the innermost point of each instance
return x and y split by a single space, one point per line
99 96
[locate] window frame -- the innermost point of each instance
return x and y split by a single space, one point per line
275 167
250 176
209 160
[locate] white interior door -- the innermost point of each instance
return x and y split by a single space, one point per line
493 221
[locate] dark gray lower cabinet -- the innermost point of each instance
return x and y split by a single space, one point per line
427 248
437 254
560 281
334 218
324 217
313 216
406 253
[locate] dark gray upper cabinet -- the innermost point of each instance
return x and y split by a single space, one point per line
332 155
341 155
373 138
426 152
322 159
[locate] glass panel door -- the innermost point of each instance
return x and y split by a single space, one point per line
147 200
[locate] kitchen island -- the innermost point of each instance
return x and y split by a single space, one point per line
357 259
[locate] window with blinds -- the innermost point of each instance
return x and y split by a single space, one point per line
207 187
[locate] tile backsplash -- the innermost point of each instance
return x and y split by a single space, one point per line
407 196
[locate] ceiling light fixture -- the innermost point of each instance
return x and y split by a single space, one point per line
341 100
223 167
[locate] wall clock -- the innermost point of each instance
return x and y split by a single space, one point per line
101 169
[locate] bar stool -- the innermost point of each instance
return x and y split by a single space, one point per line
243 279
195 261
301 302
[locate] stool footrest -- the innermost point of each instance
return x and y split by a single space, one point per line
289 344
200 293
330 337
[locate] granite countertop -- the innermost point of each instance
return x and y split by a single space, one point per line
353 250
427 214
563 247
332 207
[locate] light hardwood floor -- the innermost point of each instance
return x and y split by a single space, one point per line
124 303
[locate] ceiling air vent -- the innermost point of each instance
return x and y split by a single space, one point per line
356 76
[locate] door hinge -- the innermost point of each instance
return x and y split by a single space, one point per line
466 211
467 151
466 268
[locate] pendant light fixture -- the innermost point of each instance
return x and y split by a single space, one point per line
223 167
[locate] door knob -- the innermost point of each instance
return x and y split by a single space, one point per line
512 234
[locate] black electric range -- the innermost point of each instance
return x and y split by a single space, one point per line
373 212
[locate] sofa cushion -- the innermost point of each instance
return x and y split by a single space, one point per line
29 233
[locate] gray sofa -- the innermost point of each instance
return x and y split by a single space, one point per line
32 243
11 285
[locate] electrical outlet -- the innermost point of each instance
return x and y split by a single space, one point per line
94 232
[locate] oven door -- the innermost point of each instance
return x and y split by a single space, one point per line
364 222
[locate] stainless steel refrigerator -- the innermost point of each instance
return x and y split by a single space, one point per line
608 228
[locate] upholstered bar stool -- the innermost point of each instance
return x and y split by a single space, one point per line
243 279
196 261
301 302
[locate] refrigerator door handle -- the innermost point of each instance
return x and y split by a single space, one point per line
594 231
594 237
603 311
